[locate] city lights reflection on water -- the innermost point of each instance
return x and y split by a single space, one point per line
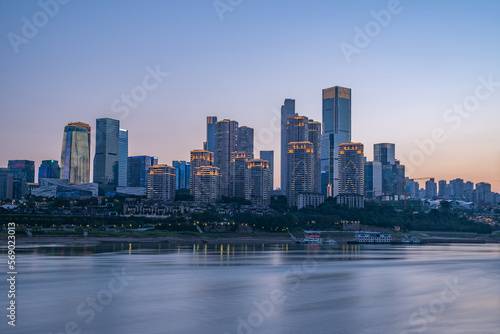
283 288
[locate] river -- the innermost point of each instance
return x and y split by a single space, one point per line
162 288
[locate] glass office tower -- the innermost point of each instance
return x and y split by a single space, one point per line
336 131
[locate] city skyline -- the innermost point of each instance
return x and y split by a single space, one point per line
405 83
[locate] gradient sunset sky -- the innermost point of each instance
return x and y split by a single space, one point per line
409 76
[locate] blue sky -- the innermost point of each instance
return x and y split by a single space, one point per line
429 57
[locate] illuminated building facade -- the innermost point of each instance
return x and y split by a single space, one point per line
300 169
336 131
75 153
314 136
199 158
258 182
161 183
238 168
206 185
225 144
351 163
49 169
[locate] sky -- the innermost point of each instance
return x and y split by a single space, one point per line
424 75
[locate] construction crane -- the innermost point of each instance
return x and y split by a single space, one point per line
413 179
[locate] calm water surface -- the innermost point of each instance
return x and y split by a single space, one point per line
139 288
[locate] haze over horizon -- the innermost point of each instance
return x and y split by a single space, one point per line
427 79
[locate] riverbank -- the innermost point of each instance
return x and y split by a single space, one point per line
189 240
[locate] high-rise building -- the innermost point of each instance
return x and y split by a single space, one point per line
200 158
106 152
442 188
123 158
238 169
258 182
161 183
225 144
269 157
182 174
314 130
244 141
469 186
431 188
23 172
6 184
373 179
351 173
385 153
206 184
211 120
75 153
49 169
138 168
287 110
297 129
300 170
393 173
457 188
336 131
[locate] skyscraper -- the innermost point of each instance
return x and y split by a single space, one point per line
161 183
238 168
138 168
225 144
211 120
314 130
182 174
269 157
297 129
75 153
244 141
431 188
122 158
258 182
336 131
300 169
351 173
287 110
206 184
200 158
49 169
106 152
385 153
6 184
373 179
23 172
393 173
